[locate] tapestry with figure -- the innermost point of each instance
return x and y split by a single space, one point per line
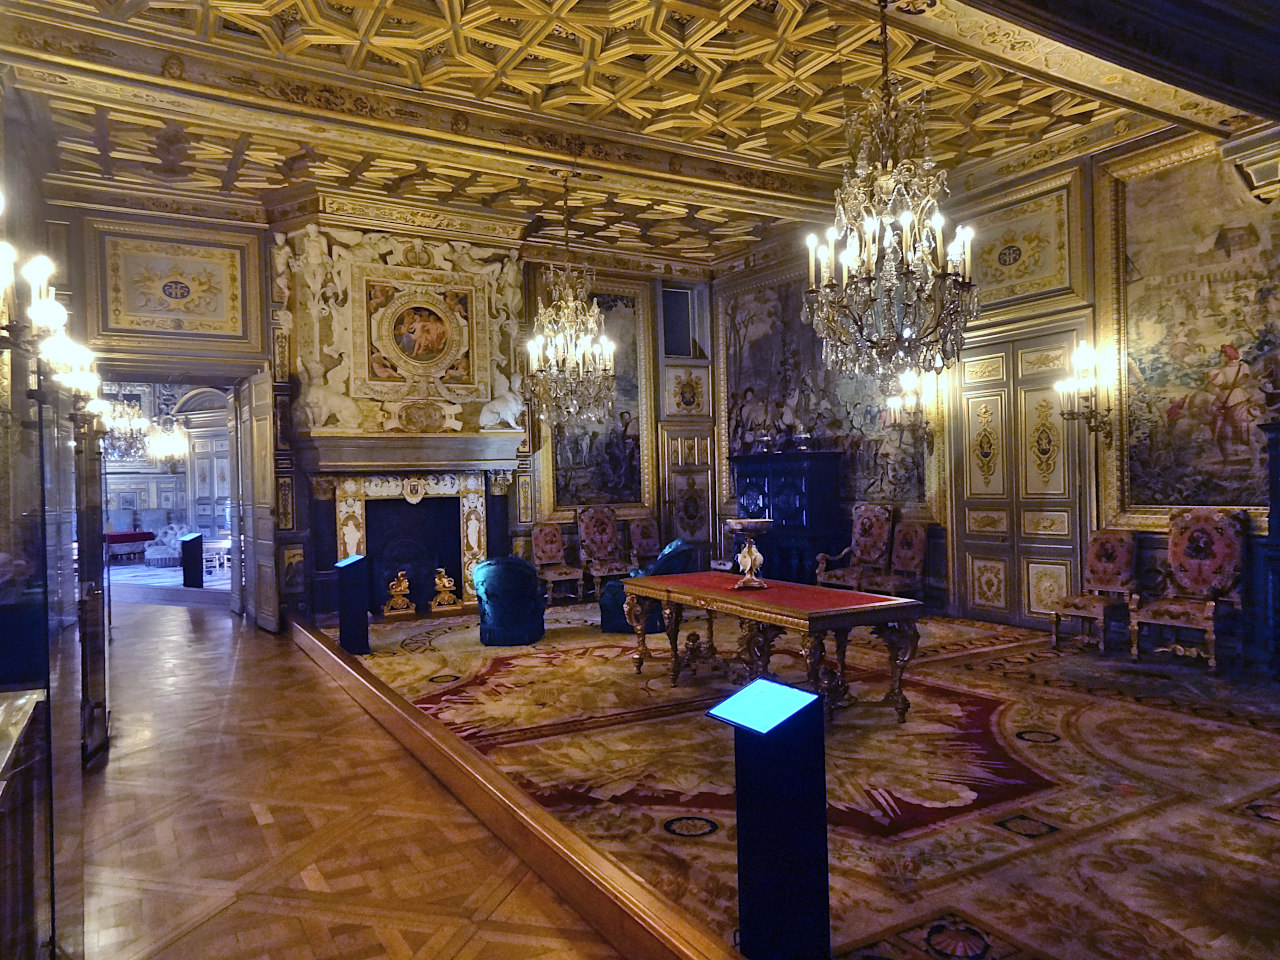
1202 336
783 396
600 463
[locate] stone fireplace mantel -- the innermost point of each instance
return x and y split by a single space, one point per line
318 453
350 493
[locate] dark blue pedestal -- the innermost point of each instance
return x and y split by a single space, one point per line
353 604
784 908
192 546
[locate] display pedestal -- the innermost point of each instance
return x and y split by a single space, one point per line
354 597
784 910
192 546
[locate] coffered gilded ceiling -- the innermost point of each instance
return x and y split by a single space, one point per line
699 126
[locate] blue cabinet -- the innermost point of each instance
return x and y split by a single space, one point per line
800 491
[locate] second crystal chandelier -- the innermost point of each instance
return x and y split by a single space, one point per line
570 358
884 295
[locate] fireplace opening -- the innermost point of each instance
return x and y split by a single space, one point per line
416 538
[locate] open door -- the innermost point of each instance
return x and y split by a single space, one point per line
254 590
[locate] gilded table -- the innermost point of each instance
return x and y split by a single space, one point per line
815 613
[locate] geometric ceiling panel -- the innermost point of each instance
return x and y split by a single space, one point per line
96 143
765 79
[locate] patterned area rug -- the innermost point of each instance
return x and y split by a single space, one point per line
1037 803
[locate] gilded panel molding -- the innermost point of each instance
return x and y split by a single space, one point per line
1029 246
988 582
986 521
1043 471
163 290
984 446
1046 582
1046 523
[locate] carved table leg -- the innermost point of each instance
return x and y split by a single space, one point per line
636 610
815 648
674 614
902 640
842 648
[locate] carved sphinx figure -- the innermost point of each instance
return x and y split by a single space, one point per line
321 401
507 404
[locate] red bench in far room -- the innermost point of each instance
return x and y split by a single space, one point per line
128 545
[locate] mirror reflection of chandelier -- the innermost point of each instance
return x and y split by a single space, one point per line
885 295
126 427
571 373
167 442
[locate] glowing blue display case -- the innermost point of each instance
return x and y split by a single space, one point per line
784 907
353 604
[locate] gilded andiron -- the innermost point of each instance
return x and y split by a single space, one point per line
399 605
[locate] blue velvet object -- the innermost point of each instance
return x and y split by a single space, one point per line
511 602
676 557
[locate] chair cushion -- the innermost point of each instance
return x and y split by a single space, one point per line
560 571
847 577
1206 550
1108 560
608 568
1177 612
1088 605
894 584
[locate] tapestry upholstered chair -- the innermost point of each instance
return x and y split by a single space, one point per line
1206 561
678 556
511 603
548 558
601 545
868 551
646 541
906 568
1108 583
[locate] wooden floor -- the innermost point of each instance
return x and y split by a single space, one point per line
250 809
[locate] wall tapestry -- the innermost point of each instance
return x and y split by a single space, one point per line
167 285
783 396
610 463
1201 288
600 462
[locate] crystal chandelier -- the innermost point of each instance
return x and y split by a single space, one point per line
127 429
167 442
570 358
883 296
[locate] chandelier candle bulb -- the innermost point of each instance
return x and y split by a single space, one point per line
811 241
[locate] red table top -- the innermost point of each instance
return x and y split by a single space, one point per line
130 536
801 598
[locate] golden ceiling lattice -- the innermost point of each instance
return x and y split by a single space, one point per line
764 79
97 143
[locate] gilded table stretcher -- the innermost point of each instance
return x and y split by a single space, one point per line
816 613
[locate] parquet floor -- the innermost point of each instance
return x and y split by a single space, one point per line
250 810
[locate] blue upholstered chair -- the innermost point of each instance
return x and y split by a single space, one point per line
676 557
511 602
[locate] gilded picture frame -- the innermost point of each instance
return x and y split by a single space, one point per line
1186 324
1028 246
636 402
157 288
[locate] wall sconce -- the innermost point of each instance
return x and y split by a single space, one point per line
1078 395
909 411
45 333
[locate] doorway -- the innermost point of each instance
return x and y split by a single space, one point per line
1018 495
168 473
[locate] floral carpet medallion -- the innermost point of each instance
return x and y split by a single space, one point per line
1036 805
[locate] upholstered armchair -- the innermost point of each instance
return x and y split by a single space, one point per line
1108 583
868 550
1206 561
906 568
548 558
601 545
646 541
511 602
677 556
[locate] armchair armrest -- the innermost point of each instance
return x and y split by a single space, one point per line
825 558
